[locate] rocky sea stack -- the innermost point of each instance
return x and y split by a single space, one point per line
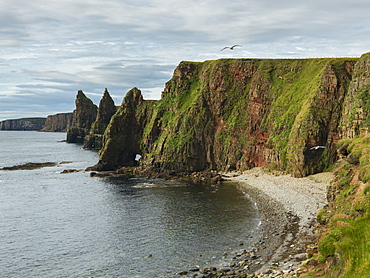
106 110
83 117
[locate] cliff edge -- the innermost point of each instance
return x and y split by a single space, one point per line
235 114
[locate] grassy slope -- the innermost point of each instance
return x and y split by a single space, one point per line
344 245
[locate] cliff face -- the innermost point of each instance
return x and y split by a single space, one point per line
122 137
234 114
357 103
58 123
105 112
83 117
343 248
23 124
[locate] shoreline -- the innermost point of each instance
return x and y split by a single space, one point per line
288 209
280 244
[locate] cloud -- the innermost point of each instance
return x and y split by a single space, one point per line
51 49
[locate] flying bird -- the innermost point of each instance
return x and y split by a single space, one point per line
231 47
317 147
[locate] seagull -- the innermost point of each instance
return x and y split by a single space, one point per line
230 47
317 147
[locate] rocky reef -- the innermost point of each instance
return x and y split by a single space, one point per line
83 117
58 123
235 114
23 124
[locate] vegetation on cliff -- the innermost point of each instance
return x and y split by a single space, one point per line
122 137
234 114
59 122
344 245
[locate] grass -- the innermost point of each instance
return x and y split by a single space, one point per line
220 93
346 234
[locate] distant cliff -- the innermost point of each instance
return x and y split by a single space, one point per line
58 122
23 124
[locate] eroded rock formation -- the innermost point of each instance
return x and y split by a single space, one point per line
83 117
122 137
105 112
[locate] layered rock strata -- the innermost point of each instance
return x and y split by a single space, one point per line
23 124
58 123
235 114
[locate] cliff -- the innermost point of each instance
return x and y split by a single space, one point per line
83 117
343 248
123 135
234 114
58 123
356 108
299 116
23 124
106 110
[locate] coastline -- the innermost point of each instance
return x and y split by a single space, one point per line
280 244
288 209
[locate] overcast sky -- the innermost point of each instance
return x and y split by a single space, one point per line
50 49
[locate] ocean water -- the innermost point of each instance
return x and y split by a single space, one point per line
73 225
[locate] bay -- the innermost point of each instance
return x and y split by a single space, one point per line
73 225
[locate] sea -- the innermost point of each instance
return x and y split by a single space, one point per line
55 224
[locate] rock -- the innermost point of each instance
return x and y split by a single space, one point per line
68 171
83 117
353 159
106 110
29 166
123 137
23 124
196 125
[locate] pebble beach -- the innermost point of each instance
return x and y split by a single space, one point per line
288 209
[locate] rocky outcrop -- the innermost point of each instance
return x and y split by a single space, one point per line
105 112
23 124
83 117
123 135
235 114
58 123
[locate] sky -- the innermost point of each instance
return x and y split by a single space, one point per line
50 49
